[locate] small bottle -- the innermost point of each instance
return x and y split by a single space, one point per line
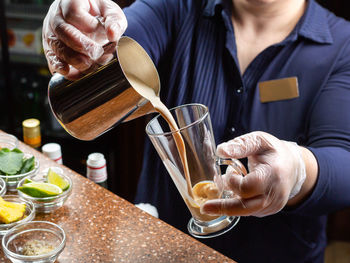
53 151
97 169
31 132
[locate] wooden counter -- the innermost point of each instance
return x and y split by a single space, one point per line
102 227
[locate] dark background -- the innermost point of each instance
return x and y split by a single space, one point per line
23 89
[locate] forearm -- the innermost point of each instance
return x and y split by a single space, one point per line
311 168
331 188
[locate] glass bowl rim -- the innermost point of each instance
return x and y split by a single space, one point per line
4 187
54 252
6 135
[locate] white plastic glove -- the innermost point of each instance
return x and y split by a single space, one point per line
73 36
276 174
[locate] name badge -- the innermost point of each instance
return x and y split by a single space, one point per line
279 89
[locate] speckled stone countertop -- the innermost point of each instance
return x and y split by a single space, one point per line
102 227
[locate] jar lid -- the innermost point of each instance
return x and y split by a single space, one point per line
31 129
31 123
52 150
96 159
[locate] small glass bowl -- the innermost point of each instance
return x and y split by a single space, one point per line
47 204
30 238
28 215
12 180
3 187
8 141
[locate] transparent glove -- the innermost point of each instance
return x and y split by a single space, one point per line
74 32
276 174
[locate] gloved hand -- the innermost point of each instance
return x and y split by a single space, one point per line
276 174
73 36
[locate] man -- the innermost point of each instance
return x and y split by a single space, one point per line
229 55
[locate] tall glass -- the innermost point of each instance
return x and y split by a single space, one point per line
204 166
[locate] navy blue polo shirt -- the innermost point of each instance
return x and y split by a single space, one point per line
192 43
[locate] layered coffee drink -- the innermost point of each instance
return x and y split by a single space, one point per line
202 192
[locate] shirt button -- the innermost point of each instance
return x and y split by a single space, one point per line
239 90
233 129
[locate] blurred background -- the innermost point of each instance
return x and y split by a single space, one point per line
23 94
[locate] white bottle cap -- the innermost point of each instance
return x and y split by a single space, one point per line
53 151
96 159
96 167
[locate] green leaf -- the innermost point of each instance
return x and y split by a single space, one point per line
27 166
10 161
17 150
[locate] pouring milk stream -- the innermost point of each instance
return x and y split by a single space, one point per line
149 93
202 191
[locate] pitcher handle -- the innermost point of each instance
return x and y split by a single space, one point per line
237 166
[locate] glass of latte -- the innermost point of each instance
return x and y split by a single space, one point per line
184 140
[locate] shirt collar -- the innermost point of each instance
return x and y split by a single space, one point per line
211 5
313 25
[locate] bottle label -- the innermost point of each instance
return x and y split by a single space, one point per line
58 160
97 174
34 141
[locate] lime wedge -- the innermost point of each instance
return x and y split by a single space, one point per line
37 189
27 181
56 179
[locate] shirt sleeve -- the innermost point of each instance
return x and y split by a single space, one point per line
329 141
153 24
